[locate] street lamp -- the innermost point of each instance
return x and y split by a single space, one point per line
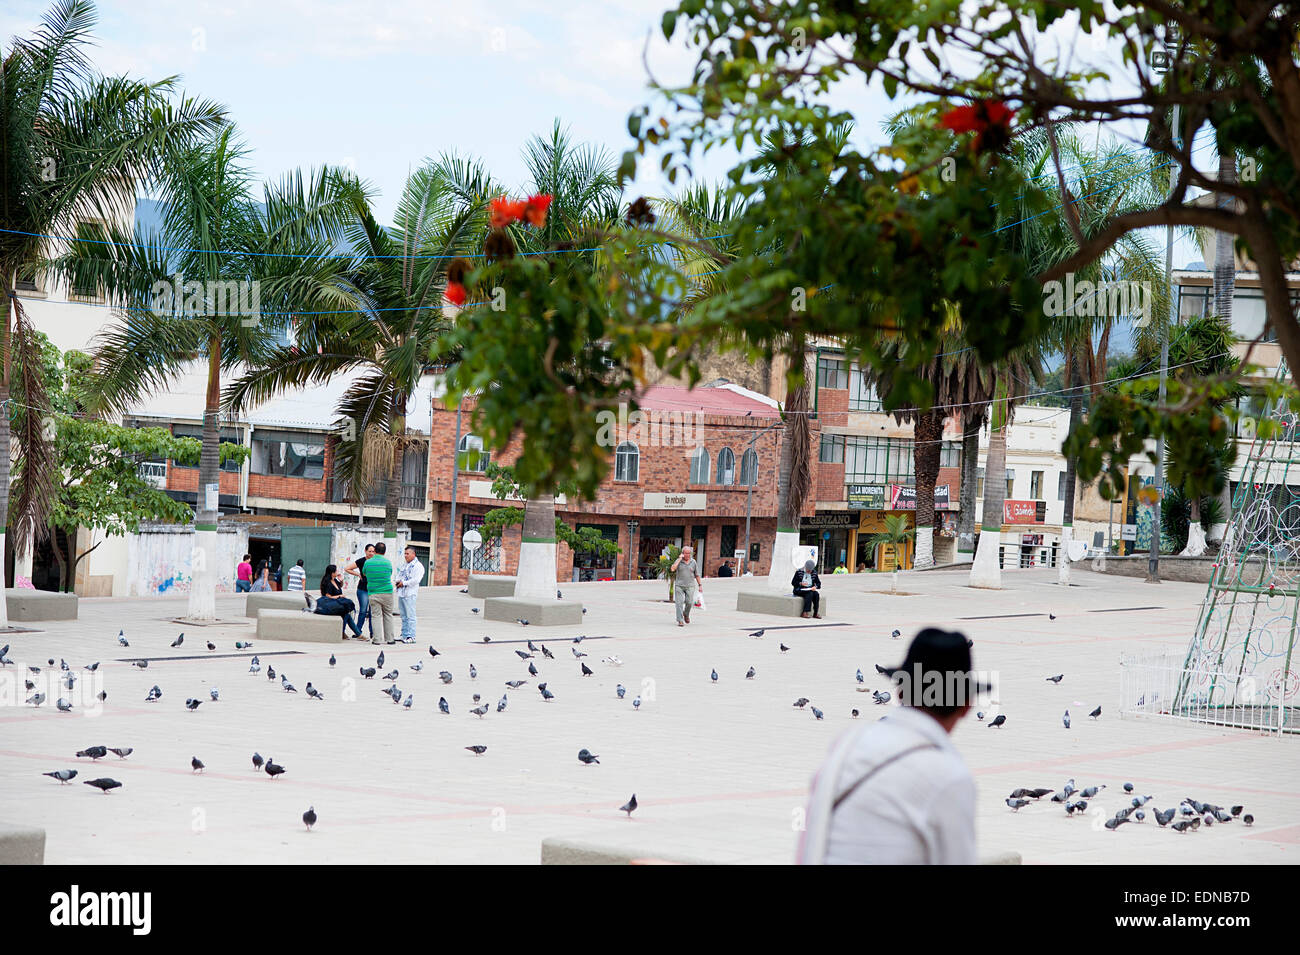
631 548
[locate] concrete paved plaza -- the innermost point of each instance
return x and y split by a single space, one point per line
720 770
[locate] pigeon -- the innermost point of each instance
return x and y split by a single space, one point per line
91 667
409 701
558 595
854 714
515 684
714 676
881 698
36 699
257 761
547 653
1165 816
332 660
817 713
577 654
368 672
896 634
254 668
473 673
142 664
480 711
196 764
802 702
523 656
1092 791
1020 793
586 670
980 716
1039 793
1236 810
477 750
1182 825
629 807
121 753
243 646
309 817
394 693
586 757
30 684
1051 616
547 695
749 675
433 652
477 699
273 769
522 622
211 645
63 705
121 639
464 590
1140 801
71 681
103 695
270 672
288 687
1095 713
104 785
475 610
860 677
1065 720
1222 815
63 665
214 693
1016 804
501 703
620 690
1070 808
998 720
442 705
178 641
391 675
636 703
758 633
532 670
1208 819
883 671
1128 787
444 675
1248 819
379 661
1056 679
784 648
314 693
1113 824
192 704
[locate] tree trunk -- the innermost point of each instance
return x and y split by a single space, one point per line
6 440
59 559
535 578
928 435
203 557
393 492
1195 532
1067 519
970 460
1225 281
985 570
794 481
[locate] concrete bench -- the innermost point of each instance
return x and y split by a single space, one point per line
21 845
299 626
273 600
495 585
616 850
538 613
27 605
776 604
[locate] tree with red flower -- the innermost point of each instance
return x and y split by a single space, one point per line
989 120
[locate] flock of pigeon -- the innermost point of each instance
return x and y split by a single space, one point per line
1191 813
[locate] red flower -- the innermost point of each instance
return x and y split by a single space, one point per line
455 293
535 210
962 119
990 120
505 211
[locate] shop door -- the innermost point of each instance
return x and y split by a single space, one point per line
312 545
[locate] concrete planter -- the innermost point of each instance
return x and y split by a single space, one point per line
495 585
28 605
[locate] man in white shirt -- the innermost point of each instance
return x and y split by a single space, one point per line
297 577
897 792
409 576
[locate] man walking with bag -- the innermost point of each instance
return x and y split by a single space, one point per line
686 578
896 792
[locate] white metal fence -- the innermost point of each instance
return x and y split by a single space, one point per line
1163 684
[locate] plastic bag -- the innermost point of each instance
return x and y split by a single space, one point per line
699 600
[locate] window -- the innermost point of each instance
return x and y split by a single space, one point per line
832 451
1060 486
289 454
470 455
487 559
727 547
700 466
194 431
832 373
27 280
862 393
1036 485
979 483
627 462
1011 480
749 468
878 461
950 454
726 467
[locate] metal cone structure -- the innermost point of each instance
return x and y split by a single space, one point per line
1242 668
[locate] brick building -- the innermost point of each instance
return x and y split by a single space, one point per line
684 473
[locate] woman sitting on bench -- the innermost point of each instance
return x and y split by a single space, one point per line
332 603
806 584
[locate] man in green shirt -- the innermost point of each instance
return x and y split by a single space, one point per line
378 571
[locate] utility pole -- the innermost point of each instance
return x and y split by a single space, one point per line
452 537
1153 562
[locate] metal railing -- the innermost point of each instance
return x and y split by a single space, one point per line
409 496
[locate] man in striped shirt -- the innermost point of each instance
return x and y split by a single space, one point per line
297 577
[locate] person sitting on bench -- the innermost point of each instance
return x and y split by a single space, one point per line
806 584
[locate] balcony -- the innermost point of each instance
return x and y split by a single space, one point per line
154 473
413 497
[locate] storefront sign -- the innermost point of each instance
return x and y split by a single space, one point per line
831 519
672 501
1024 512
902 497
483 489
865 497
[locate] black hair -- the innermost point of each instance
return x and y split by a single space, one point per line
381 548
327 577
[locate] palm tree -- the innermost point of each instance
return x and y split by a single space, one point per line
895 534
389 316
75 146
231 258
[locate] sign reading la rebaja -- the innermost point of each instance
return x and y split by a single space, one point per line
693 501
